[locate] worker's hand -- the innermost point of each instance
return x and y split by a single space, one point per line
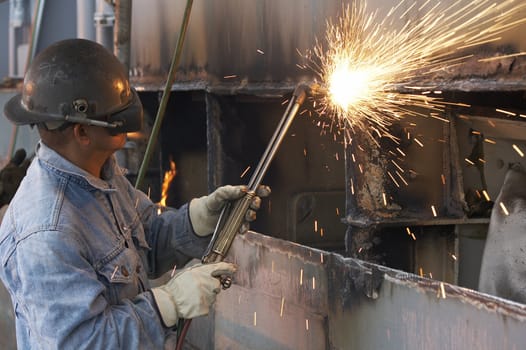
205 211
191 292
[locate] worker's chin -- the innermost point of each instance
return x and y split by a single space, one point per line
119 140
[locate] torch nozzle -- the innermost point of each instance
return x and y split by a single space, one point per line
311 88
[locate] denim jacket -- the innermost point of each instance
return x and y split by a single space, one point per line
77 252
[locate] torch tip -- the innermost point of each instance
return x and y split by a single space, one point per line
312 88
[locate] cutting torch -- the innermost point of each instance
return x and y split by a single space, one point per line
233 214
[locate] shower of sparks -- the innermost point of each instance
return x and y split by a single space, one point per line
511 114
434 211
365 60
397 166
301 277
114 272
504 209
486 195
518 150
173 271
442 292
503 56
244 172
282 305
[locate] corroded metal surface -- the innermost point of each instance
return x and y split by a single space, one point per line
238 44
287 296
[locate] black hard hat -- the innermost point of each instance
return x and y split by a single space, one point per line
77 81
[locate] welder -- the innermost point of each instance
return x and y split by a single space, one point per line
79 244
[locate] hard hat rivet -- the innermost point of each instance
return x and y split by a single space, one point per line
80 105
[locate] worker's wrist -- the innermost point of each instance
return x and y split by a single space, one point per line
165 307
202 220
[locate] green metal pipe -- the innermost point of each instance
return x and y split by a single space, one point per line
166 94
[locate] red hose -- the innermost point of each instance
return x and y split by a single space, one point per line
180 340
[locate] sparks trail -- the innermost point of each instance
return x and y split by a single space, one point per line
365 60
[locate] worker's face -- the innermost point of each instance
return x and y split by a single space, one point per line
102 141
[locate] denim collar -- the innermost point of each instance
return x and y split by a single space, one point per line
63 167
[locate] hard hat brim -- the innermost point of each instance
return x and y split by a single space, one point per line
19 115
130 115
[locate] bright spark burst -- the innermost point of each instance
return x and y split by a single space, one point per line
366 60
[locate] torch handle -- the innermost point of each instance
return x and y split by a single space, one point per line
230 222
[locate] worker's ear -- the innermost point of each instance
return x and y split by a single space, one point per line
81 135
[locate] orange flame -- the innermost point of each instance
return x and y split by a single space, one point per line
168 177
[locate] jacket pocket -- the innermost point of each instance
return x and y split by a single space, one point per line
119 274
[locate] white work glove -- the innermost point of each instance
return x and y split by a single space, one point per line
191 292
205 211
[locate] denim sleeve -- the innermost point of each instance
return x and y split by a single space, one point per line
170 235
66 306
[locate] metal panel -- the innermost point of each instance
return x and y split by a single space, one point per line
257 42
287 296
